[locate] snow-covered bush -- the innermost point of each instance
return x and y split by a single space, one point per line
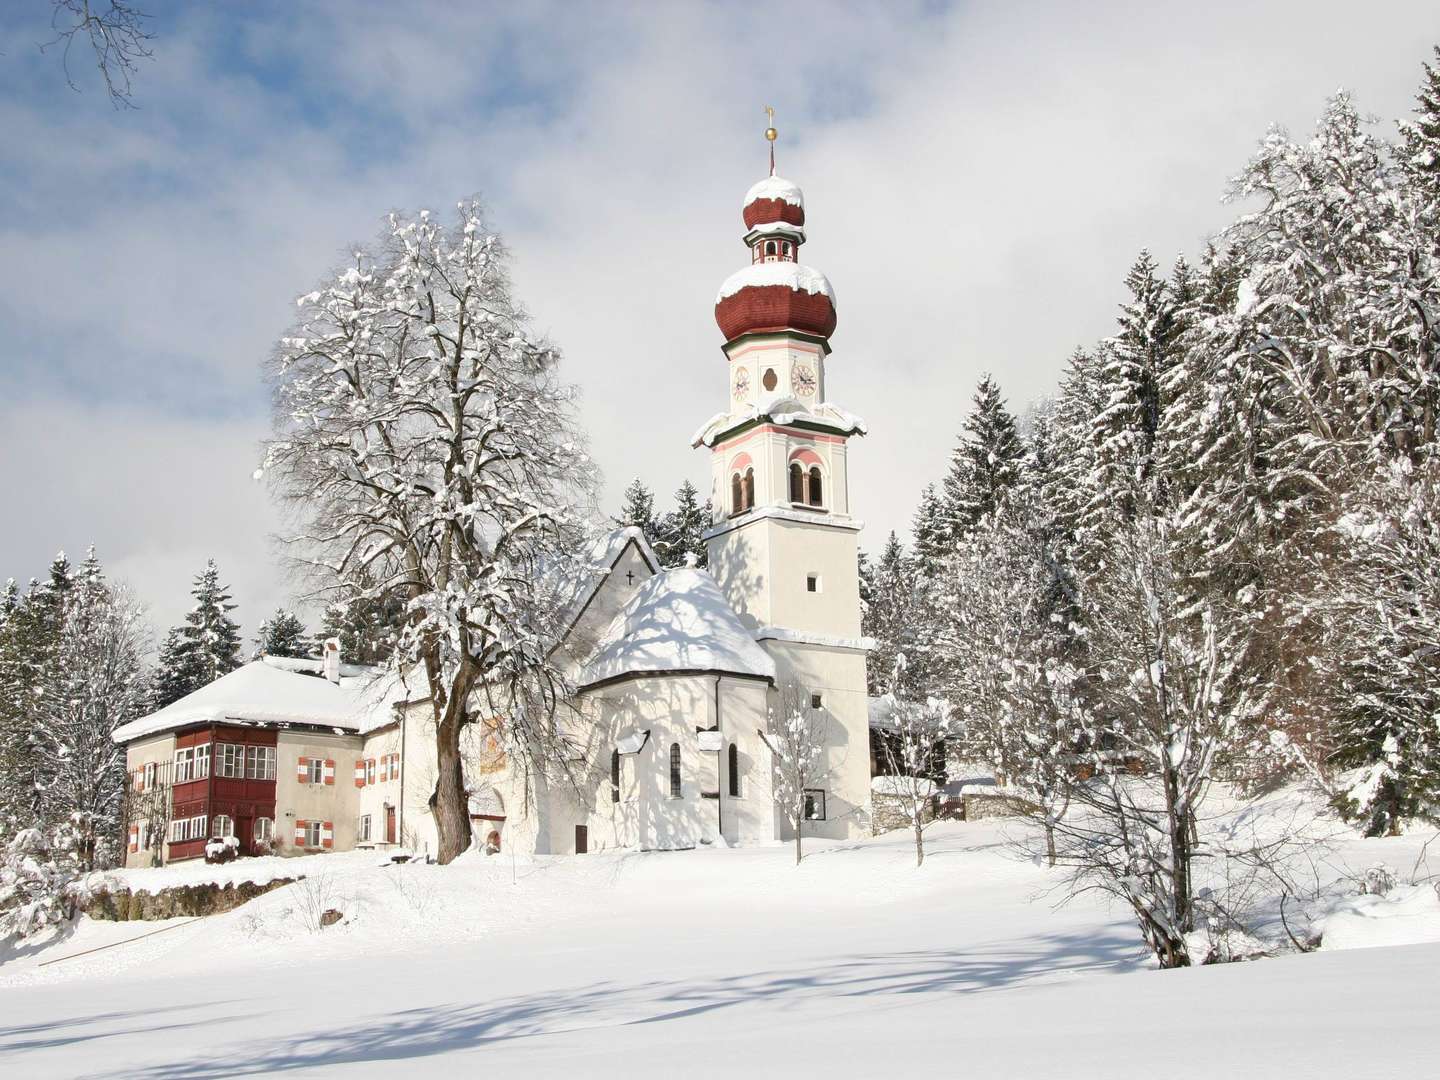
37 879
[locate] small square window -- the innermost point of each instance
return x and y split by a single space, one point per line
816 701
812 582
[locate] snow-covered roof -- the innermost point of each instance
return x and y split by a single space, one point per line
823 415
775 187
797 276
677 620
777 228
262 692
603 556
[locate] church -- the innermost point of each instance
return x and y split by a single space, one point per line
676 672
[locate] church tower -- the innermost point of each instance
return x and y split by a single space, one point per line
783 544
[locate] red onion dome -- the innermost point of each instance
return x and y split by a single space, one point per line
775 296
774 199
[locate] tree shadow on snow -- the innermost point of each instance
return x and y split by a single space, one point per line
427 1031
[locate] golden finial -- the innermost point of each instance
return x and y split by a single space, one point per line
770 132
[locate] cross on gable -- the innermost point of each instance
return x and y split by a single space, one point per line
630 577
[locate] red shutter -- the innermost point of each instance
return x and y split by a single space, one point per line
299 834
327 834
395 766
302 770
134 838
139 779
384 767
359 774
329 772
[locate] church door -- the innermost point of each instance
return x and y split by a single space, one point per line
582 839
390 824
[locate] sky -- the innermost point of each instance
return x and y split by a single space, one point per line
978 177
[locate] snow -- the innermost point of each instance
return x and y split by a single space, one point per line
1405 915
855 963
676 621
797 276
262 692
713 741
775 187
805 637
824 415
907 786
604 554
777 228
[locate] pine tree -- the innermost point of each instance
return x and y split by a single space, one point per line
214 637
1420 140
984 465
639 509
367 627
678 535
890 615
283 634
173 676
204 648
930 539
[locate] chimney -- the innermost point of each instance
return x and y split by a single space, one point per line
332 660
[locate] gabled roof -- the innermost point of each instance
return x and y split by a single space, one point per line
677 621
603 557
264 692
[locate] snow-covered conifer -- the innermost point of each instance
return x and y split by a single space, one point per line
678 540
985 463
283 634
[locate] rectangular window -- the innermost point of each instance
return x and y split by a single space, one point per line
370 770
364 836
184 765
816 701
313 833
812 582
814 804
182 829
230 760
221 827
264 830
315 769
202 761
260 763
149 775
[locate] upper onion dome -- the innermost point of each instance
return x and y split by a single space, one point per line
775 292
774 199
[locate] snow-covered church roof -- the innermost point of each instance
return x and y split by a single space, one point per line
677 621
265 692
775 187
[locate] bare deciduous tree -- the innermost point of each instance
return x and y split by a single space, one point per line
116 35
914 751
796 735
427 450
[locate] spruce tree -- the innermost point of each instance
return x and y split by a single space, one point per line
984 465
212 634
1420 140
638 509
678 535
929 531
890 615
367 627
173 677
283 634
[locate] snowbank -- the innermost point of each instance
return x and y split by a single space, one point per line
1406 915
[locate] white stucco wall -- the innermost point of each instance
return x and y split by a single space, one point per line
337 803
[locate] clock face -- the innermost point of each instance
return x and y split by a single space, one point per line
742 382
802 380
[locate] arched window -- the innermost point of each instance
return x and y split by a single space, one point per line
221 826
674 770
733 764
614 775
737 494
769 249
797 483
263 833
749 488
785 248
815 489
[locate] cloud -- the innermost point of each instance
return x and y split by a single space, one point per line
978 179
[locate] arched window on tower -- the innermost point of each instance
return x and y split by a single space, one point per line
675 770
785 248
737 493
749 488
816 492
614 775
733 764
769 250
797 483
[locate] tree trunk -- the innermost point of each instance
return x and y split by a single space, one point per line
919 842
1049 841
450 802
798 823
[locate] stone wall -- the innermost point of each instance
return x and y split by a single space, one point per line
122 905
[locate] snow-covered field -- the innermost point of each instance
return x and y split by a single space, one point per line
712 963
